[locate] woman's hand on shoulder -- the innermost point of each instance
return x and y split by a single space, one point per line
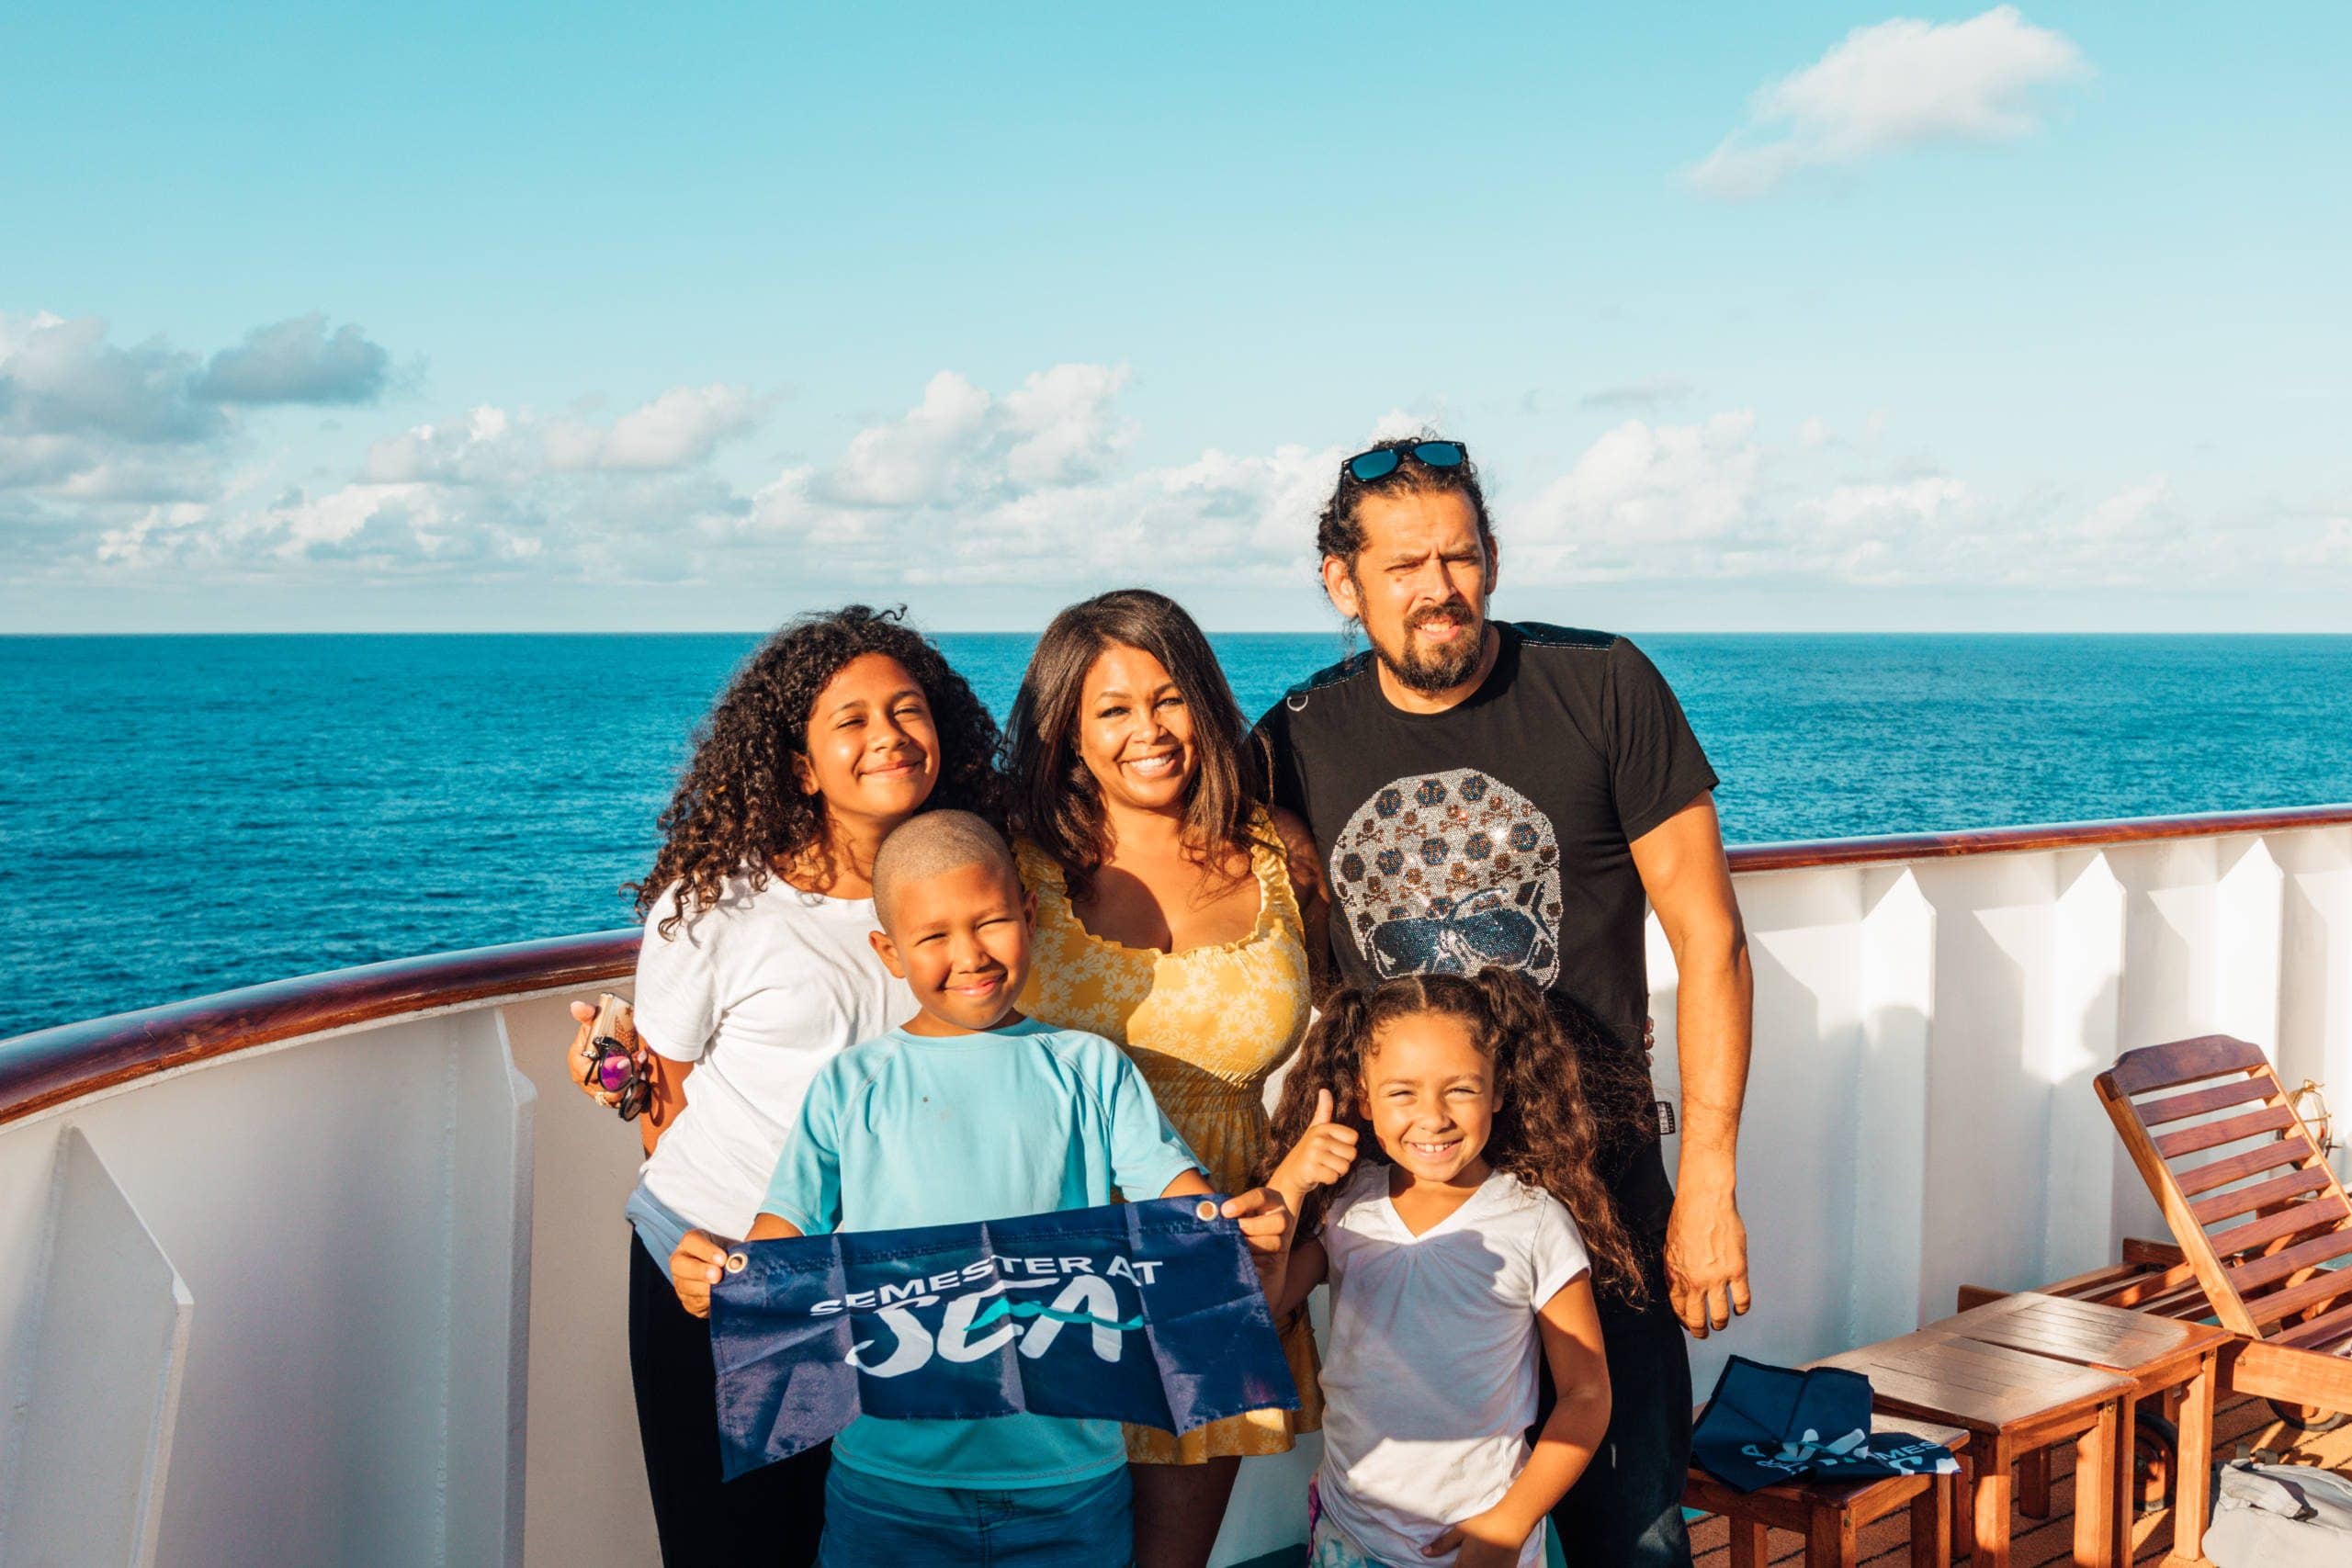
1305 865
695 1267
1300 855
1322 1158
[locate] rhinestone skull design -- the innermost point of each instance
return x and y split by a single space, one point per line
1449 874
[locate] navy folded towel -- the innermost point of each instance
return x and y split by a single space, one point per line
1764 1425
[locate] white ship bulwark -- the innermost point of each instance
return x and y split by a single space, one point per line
331 1270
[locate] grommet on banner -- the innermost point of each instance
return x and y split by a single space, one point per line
1204 1209
735 1261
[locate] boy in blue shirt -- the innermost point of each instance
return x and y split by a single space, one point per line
972 1112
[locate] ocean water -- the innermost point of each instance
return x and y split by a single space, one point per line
182 815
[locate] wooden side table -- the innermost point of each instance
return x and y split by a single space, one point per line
2157 1354
1831 1514
2011 1404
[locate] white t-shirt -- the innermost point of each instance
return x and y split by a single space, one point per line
761 990
1429 1374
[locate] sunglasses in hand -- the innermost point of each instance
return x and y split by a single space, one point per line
617 1065
614 1068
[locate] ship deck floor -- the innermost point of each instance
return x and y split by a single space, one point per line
2239 1427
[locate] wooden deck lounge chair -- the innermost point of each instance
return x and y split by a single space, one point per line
2262 1231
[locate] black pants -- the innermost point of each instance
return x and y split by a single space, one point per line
773 1515
1625 1511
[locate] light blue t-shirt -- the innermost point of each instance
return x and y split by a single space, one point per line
925 1130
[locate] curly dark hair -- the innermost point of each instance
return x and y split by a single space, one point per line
740 808
1337 532
1056 803
1543 1133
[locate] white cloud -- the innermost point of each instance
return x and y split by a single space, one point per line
130 459
1035 486
1028 487
2329 544
490 446
96 425
1900 84
1639 487
960 444
917 457
298 361
2128 512
475 449
64 378
680 428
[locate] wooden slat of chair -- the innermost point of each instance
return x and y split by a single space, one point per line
2260 1195
2163 1254
2229 1130
2095 1286
2250 1291
2269 1268
2292 1219
2319 1333
2170 1288
2197 1102
2318 1292
2183 1062
2186 1301
2236 1167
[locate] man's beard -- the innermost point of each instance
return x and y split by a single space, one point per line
1433 673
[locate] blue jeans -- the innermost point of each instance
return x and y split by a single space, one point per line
874 1523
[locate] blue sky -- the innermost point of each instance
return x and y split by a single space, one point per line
1781 317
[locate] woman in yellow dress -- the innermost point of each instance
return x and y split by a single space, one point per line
1175 913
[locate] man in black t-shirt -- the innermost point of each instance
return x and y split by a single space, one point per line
1484 793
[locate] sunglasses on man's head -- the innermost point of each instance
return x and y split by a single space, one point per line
1382 461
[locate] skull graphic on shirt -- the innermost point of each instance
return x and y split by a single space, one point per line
1449 874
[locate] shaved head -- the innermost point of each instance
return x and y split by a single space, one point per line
932 844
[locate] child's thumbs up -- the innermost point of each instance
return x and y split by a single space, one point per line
1321 1155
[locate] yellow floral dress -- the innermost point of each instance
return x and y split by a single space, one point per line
1204 1026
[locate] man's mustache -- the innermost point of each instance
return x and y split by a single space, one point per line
1452 610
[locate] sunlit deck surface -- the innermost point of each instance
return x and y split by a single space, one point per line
2240 1426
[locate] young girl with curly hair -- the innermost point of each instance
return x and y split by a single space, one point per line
1466 1240
754 973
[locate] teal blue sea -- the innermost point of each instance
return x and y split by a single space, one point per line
181 815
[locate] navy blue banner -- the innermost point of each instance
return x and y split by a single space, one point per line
1143 1312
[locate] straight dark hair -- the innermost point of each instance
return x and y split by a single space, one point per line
1055 804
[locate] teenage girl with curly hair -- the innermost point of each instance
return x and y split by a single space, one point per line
1466 1240
754 972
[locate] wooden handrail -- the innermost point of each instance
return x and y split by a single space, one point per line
73 1061
52 1066
2052 836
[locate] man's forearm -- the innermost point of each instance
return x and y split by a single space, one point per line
1713 1021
